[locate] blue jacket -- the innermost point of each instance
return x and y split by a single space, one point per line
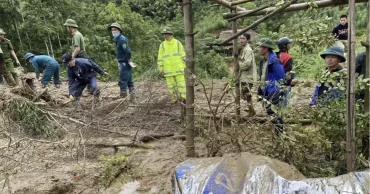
123 51
274 73
328 90
41 61
82 72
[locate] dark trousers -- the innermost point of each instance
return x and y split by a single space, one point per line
125 76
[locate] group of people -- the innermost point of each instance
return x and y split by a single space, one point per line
274 71
82 70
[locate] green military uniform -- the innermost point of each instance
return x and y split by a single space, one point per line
7 46
77 39
5 60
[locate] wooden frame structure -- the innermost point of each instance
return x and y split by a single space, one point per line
237 12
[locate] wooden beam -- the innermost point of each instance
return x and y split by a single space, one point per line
240 2
365 44
256 23
350 136
228 5
295 7
248 14
189 77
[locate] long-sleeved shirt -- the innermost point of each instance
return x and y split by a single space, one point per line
40 61
327 88
171 57
83 71
341 32
247 65
123 51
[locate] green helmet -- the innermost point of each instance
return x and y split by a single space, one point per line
2 32
335 50
167 30
70 22
116 25
265 42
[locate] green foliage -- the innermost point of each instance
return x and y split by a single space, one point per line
112 166
32 120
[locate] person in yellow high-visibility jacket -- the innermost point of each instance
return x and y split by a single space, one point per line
171 57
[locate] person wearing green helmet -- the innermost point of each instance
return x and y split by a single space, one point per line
78 42
125 65
325 90
8 52
271 73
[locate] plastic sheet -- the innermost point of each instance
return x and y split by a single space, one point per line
251 174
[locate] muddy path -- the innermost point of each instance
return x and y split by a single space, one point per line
149 133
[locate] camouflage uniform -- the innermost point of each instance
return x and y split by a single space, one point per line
6 62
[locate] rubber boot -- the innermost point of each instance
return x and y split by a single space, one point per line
9 79
132 94
123 94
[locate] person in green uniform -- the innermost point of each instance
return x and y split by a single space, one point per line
78 43
3 70
9 53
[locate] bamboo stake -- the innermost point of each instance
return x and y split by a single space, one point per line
236 73
351 152
295 7
248 13
189 75
256 23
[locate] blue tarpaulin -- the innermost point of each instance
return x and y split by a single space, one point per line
251 174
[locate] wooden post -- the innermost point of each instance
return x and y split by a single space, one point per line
295 7
189 73
350 137
236 73
256 23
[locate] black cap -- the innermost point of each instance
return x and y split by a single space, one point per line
66 58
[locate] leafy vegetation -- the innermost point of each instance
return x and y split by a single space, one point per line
112 167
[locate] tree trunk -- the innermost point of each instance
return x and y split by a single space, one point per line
60 44
16 27
236 73
28 38
189 73
47 48
351 152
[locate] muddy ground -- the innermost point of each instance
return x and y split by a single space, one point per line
70 163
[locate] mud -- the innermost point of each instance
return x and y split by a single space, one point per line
111 126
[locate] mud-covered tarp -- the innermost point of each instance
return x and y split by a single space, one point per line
251 174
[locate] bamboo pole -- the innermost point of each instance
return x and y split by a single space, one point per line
228 5
236 73
248 14
240 2
350 137
256 23
189 75
295 7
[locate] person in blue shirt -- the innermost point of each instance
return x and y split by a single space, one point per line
325 90
272 75
81 72
46 63
123 54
